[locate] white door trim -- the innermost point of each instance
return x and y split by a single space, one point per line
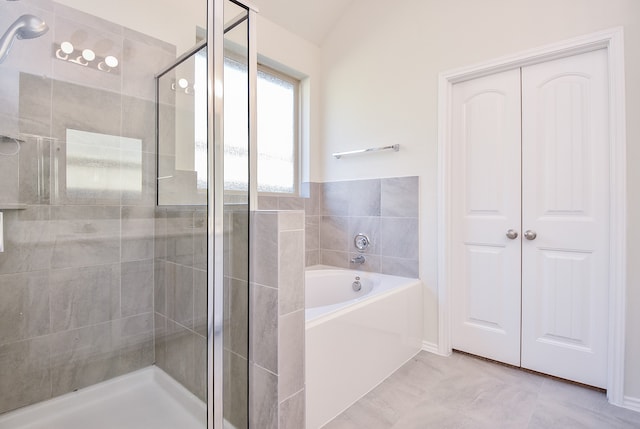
613 41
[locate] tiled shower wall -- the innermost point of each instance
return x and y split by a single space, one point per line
277 380
236 302
181 301
76 276
386 210
180 295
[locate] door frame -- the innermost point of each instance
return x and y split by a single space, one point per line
613 41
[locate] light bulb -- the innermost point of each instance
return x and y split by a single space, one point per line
88 55
183 83
66 47
111 61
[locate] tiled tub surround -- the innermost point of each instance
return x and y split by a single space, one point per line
386 210
277 394
76 277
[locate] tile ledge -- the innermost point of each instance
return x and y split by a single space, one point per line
12 206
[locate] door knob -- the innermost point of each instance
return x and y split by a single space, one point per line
512 234
530 235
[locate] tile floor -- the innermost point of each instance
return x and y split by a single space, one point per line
462 391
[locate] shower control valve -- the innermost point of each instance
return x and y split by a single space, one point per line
361 241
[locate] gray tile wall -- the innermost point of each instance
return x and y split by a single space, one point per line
236 301
180 302
277 320
77 274
386 210
180 295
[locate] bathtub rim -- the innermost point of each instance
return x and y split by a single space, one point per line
336 310
368 277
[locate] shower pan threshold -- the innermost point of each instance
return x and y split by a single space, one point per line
147 398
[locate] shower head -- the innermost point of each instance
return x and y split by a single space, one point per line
30 27
25 27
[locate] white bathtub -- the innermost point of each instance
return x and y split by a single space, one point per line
355 340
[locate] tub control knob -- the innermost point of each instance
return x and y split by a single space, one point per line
356 285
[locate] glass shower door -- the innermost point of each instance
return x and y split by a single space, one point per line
105 258
189 174
80 307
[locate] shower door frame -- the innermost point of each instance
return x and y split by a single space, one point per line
215 193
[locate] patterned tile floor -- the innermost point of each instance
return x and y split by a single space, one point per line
462 391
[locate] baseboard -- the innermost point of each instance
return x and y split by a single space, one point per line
631 403
430 347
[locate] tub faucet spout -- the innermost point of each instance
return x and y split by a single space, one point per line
360 259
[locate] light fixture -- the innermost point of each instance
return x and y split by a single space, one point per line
182 84
111 61
88 55
66 47
65 51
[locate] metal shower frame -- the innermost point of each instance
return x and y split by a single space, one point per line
215 193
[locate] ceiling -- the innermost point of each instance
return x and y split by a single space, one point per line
310 19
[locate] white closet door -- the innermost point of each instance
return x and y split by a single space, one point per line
565 166
486 204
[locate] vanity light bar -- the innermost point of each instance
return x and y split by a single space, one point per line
65 51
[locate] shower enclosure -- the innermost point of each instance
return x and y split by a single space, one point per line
123 243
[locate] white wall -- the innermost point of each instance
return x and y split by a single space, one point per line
380 68
169 20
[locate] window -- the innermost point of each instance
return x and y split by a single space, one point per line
277 129
277 132
102 166
236 131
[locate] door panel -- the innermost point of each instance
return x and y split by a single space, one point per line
564 302
484 303
486 203
565 186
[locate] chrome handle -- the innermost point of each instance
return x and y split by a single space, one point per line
530 235
361 241
512 234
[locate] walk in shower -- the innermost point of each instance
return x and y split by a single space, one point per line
123 247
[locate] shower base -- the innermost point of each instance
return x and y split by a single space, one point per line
147 398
